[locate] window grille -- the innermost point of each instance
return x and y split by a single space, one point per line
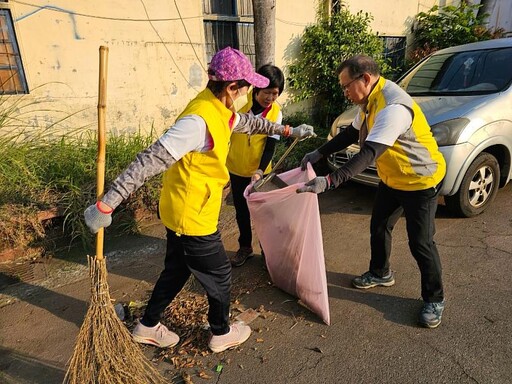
229 23
12 75
394 51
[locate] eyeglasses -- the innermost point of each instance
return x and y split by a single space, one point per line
344 87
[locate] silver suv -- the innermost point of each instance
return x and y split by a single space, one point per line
466 95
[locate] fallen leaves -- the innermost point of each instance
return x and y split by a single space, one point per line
204 375
187 315
247 316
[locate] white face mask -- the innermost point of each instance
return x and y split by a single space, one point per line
239 102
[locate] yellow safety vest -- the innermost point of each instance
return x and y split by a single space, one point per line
414 162
246 150
191 195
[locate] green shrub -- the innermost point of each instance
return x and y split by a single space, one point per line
442 27
323 47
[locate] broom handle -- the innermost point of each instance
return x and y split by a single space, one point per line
100 161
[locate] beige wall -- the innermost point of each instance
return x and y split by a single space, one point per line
394 18
391 18
152 69
155 67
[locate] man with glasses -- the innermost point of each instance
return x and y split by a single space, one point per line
393 132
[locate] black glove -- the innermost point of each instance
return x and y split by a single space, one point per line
311 157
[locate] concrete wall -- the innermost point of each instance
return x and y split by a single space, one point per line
157 58
395 18
391 18
155 67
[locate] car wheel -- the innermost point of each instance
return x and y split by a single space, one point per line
478 188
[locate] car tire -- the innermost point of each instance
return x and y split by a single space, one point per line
478 188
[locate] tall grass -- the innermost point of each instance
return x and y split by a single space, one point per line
44 168
60 173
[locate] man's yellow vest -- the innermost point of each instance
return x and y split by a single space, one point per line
191 195
414 162
245 152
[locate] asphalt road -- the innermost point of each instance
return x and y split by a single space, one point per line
373 336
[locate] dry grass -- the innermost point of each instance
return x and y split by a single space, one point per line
20 226
105 351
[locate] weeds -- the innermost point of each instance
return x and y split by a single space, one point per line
47 169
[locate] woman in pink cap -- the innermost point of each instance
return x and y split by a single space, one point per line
192 156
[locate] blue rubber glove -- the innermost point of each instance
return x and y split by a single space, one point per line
311 157
96 218
303 131
317 185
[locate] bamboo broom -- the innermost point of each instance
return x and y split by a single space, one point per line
105 352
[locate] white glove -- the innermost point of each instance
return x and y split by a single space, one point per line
256 179
258 175
317 185
96 219
303 131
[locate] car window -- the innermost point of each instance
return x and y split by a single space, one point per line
461 73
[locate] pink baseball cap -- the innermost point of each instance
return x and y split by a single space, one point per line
230 64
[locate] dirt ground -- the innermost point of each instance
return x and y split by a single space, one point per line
373 336
35 349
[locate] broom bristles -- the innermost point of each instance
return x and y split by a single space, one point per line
105 352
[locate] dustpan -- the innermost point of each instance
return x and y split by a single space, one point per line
272 181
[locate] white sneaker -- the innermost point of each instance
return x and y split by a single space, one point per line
158 335
238 333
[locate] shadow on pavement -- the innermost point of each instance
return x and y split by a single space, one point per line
16 368
396 309
66 307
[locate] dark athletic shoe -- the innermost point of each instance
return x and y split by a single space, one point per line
241 256
431 314
369 280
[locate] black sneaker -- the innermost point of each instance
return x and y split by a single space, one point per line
431 314
241 256
369 280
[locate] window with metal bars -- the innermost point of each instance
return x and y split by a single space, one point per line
229 23
394 51
12 75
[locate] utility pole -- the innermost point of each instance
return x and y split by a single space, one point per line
487 6
264 31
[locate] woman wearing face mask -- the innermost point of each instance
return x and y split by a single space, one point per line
250 156
192 156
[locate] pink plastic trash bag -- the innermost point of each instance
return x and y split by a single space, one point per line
288 227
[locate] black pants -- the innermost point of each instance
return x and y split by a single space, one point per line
243 217
206 259
419 208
